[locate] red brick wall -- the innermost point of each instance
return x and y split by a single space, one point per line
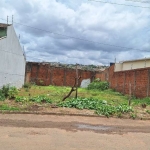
121 81
44 74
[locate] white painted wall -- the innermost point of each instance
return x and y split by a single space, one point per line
118 67
129 65
12 61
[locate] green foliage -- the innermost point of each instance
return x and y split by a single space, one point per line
40 99
8 92
141 101
21 99
9 108
2 96
99 85
133 115
109 110
12 92
148 111
100 106
5 90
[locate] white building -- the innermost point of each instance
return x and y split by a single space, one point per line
132 64
12 60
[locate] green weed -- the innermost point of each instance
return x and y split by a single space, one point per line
10 108
100 106
98 85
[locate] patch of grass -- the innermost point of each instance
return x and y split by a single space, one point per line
141 101
148 111
9 108
133 115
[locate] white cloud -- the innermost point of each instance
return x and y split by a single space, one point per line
97 22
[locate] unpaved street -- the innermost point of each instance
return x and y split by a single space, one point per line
52 132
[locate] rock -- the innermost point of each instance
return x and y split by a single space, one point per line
85 83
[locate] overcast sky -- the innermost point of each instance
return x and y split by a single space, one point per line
100 32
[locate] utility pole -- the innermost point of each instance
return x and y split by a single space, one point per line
12 19
7 20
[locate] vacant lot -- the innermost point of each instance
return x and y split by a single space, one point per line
48 99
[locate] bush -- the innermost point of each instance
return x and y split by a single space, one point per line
12 92
2 96
8 92
98 85
5 90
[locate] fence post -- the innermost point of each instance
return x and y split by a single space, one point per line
130 92
148 83
124 83
134 82
51 69
37 73
65 76
47 67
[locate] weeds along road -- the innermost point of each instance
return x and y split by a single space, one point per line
50 132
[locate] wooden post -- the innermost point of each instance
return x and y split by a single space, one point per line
148 83
76 81
130 92
134 82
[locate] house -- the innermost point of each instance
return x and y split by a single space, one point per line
132 64
12 59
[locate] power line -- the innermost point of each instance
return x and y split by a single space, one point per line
117 3
138 1
76 38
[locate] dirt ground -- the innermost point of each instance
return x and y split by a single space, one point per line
54 132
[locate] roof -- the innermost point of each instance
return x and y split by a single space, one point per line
135 60
3 25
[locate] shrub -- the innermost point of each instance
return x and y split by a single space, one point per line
2 96
5 90
8 92
12 92
98 85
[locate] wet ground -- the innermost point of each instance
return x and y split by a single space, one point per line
21 132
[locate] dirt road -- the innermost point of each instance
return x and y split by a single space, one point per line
50 132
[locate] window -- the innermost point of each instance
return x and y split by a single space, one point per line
3 31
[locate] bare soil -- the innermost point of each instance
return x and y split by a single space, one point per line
54 132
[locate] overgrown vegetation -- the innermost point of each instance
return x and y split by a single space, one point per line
96 97
101 107
36 99
8 108
99 85
8 92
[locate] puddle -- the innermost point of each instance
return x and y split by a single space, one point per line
84 126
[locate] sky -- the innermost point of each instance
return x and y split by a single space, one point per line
80 31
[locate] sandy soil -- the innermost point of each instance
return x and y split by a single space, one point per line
54 132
